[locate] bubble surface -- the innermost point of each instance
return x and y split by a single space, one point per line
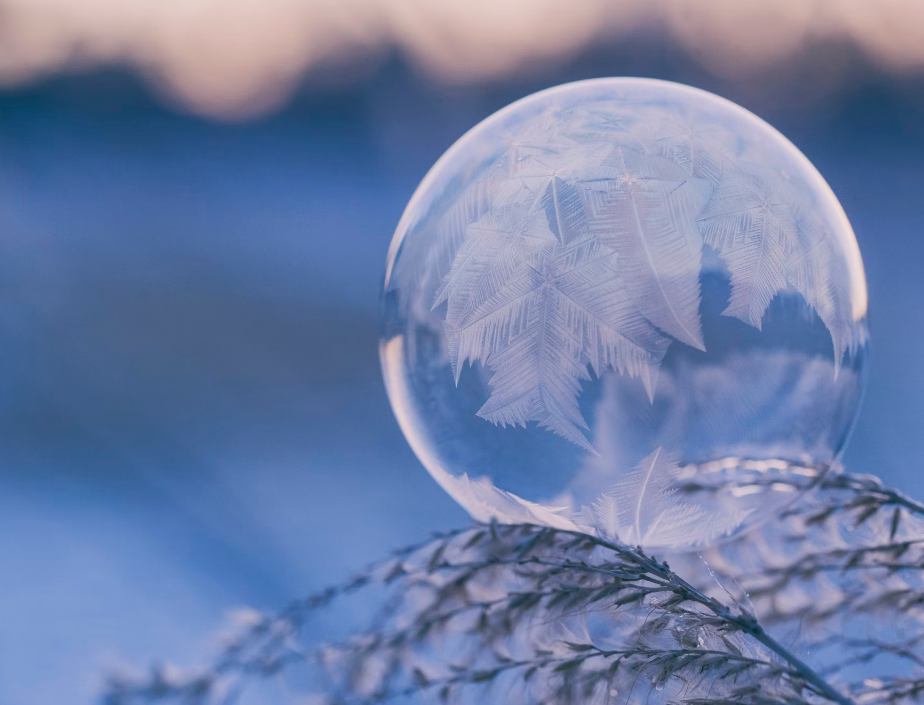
625 307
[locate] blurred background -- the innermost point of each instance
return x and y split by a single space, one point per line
196 198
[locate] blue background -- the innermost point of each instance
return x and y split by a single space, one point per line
191 411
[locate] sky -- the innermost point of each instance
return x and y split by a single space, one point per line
192 417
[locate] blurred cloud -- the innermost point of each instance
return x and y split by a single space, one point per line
239 58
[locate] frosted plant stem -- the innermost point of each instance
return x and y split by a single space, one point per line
588 652
870 491
538 573
745 622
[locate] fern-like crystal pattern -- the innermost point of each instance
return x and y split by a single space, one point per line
587 255
541 311
644 509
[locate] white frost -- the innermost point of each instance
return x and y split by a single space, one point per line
582 251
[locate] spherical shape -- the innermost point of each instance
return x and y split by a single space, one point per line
625 307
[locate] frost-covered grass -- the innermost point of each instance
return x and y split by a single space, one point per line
822 604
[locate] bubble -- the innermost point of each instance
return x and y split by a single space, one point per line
625 307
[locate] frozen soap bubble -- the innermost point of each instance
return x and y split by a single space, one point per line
625 307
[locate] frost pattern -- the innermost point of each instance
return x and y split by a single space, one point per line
540 311
647 214
750 222
579 249
643 509
759 223
487 503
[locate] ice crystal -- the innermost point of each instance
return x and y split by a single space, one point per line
590 254
540 311
645 508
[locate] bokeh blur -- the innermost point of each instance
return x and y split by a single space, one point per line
196 198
